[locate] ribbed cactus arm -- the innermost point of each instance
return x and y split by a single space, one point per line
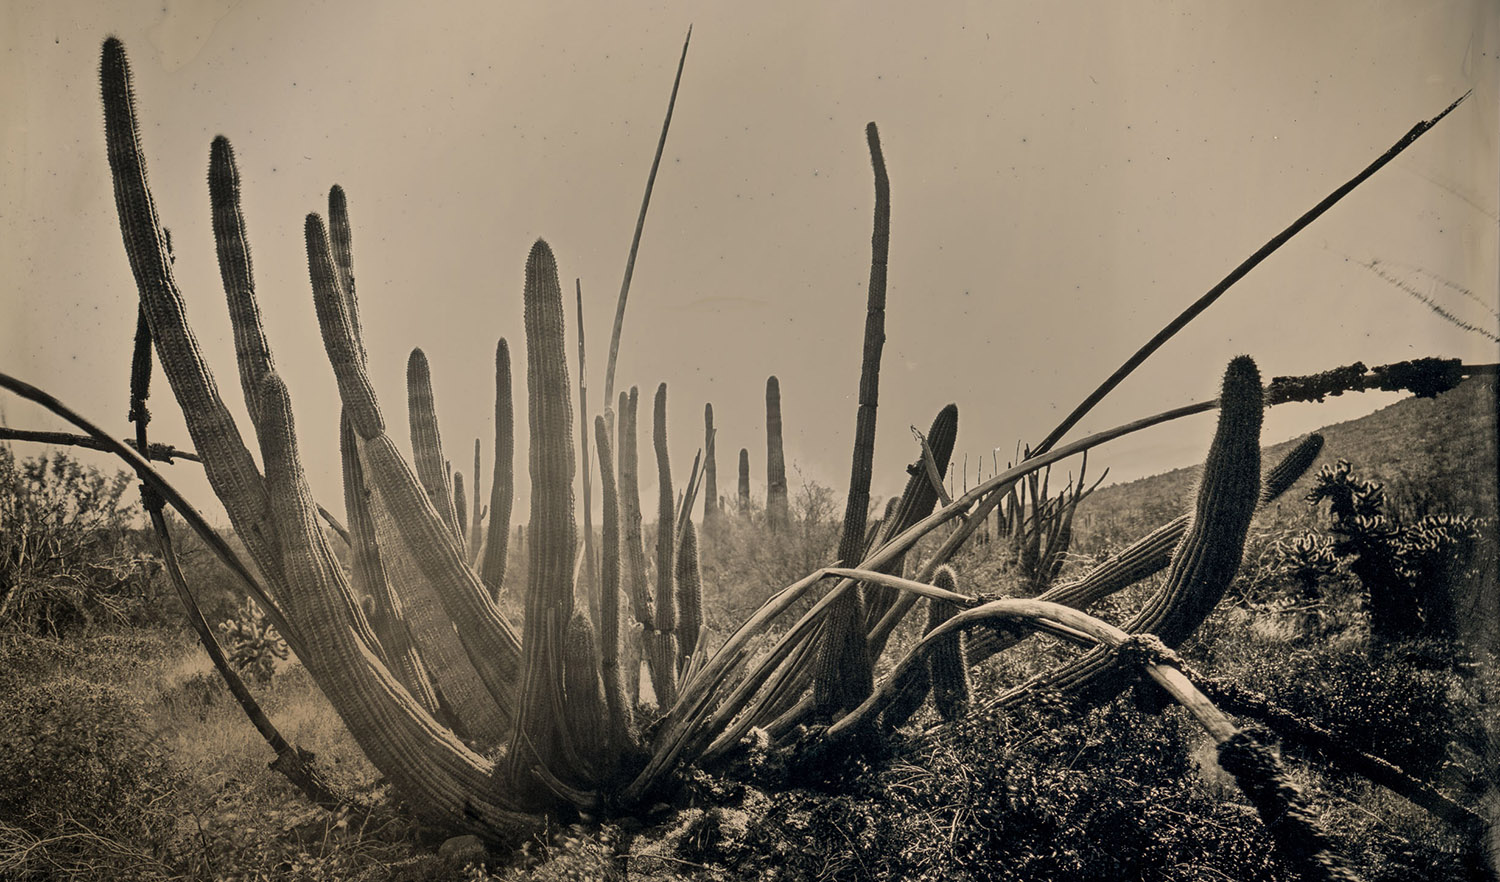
427 441
1206 559
227 462
609 591
438 776
662 642
251 350
502 486
554 534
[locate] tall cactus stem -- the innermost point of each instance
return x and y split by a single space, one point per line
689 593
777 510
663 655
503 485
742 492
711 510
554 537
426 441
590 554
620 711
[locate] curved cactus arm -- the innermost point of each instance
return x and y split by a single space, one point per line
1207 558
1146 556
552 550
427 441
230 469
368 575
341 239
442 780
502 486
252 352
436 570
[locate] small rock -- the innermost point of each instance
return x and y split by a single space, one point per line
463 850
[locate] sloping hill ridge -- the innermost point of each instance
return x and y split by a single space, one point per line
1432 454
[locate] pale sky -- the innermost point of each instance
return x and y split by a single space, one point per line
1065 178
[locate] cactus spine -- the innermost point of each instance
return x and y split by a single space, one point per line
777 509
503 485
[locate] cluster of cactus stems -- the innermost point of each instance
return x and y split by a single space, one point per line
482 729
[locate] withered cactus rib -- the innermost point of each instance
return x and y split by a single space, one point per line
502 487
663 645
427 441
844 676
554 535
619 710
777 505
1207 558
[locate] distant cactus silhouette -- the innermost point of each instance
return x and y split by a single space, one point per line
777 504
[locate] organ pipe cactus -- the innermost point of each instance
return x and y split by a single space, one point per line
777 511
662 647
947 662
742 492
508 728
711 509
502 486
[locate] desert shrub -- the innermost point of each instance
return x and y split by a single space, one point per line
71 553
82 783
1045 793
1420 576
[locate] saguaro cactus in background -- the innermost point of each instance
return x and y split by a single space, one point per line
503 486
777 510
479 730
743 490
711 510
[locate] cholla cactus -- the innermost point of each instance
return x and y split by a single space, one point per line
253 644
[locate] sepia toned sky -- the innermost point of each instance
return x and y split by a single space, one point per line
1065 178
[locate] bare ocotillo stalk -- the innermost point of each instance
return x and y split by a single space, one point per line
777 508
591 581
640 224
